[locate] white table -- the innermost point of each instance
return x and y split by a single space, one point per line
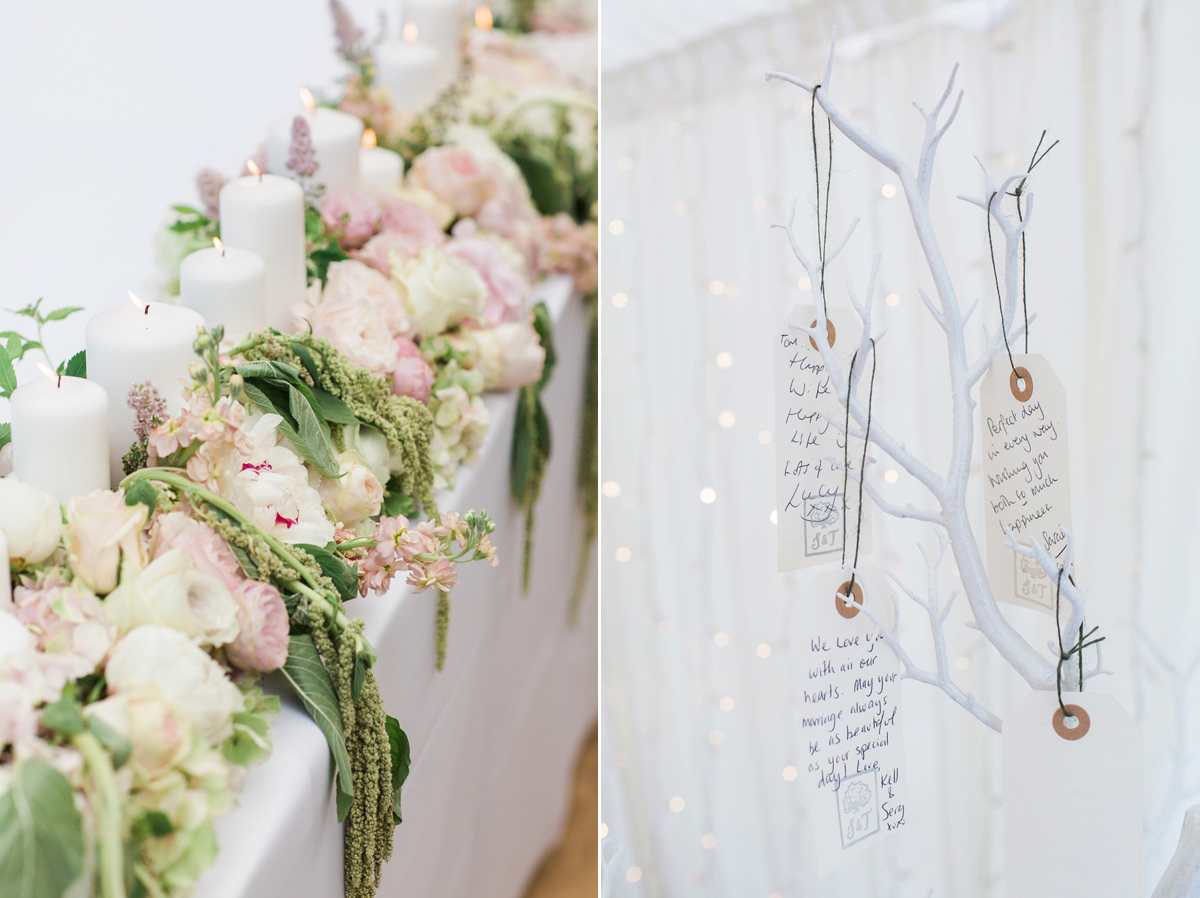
494 736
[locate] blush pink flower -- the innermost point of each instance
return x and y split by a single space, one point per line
412 376
66 620
209 553
262 640
506 283
353 215
388 249
405 217
453 175
441 574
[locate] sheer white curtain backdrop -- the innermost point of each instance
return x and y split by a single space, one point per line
699 157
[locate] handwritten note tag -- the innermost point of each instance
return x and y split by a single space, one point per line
808 488
1026 471
1072 804
853 770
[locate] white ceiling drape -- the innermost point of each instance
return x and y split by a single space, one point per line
699 157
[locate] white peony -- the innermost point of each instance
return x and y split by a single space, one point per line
508 355
439 290
171 591
191 682
31 519
354 496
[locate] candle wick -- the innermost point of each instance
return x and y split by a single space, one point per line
60 381
147 311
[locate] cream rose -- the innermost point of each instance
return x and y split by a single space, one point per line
171 591
100 529
30 519
191 682
439 290
509 355
356 495
160 737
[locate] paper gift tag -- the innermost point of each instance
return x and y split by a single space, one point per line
852 771
1026 469
1072 804
808 489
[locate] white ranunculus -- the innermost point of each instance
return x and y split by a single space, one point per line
191 682
354 496
371 445
31 519
171 591
508 355
439 290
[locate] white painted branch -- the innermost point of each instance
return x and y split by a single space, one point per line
1182 876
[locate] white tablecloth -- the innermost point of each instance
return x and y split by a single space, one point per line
494 736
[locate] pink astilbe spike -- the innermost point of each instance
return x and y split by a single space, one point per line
302 157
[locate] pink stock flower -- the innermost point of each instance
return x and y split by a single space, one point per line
262 640
209 552
454 175
353 214
412 376
507 285
406 217
390 248
442 574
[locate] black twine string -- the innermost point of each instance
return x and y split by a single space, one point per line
863 469
999 295
1018 192
822 228
1064 654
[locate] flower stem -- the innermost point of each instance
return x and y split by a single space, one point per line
108 813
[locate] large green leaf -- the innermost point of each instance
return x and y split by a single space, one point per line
272 399
333 566
313 430
5 434
8 377
401 762
334 410
544 326
77 365
314 686
41 834
60 314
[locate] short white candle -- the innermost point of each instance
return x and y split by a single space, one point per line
60 436
225 285
336 138
379 170
410 68
134 344
440 24
265 214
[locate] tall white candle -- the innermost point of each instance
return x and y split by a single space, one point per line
60 435
134 344
410 69
336 138
379 170
225 285
265 214
440 24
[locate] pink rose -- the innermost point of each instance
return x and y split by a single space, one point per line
101 529
507 286
406 217
354 215
453 175
66 619
413 376
381 249
209 553
262 640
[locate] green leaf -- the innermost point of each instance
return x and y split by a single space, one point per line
333 566
395 502
152 824
306 359
65 715
401 762
334 410
41 833
118 746
77 364
8 377
60 314
314 686
314 432
548 191
359 676
248 567
524 439
142 491
5 434
544 326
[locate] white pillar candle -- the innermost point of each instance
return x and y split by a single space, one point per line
265 214
440 24
60 436
336 138
379 170
134 344
225 285
410 69
5 572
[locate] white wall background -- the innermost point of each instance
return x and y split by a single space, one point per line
699 157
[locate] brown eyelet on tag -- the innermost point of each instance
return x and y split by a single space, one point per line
844 608
1020 374
830 332
1081 730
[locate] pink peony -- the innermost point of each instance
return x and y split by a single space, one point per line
413 376
406 217
454 175
262 641
389 248
354 215
209 553
507 285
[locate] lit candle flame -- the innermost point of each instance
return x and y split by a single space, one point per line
254 169
139 304
50 375
306 98
483 18
219 245
369 139
410 31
